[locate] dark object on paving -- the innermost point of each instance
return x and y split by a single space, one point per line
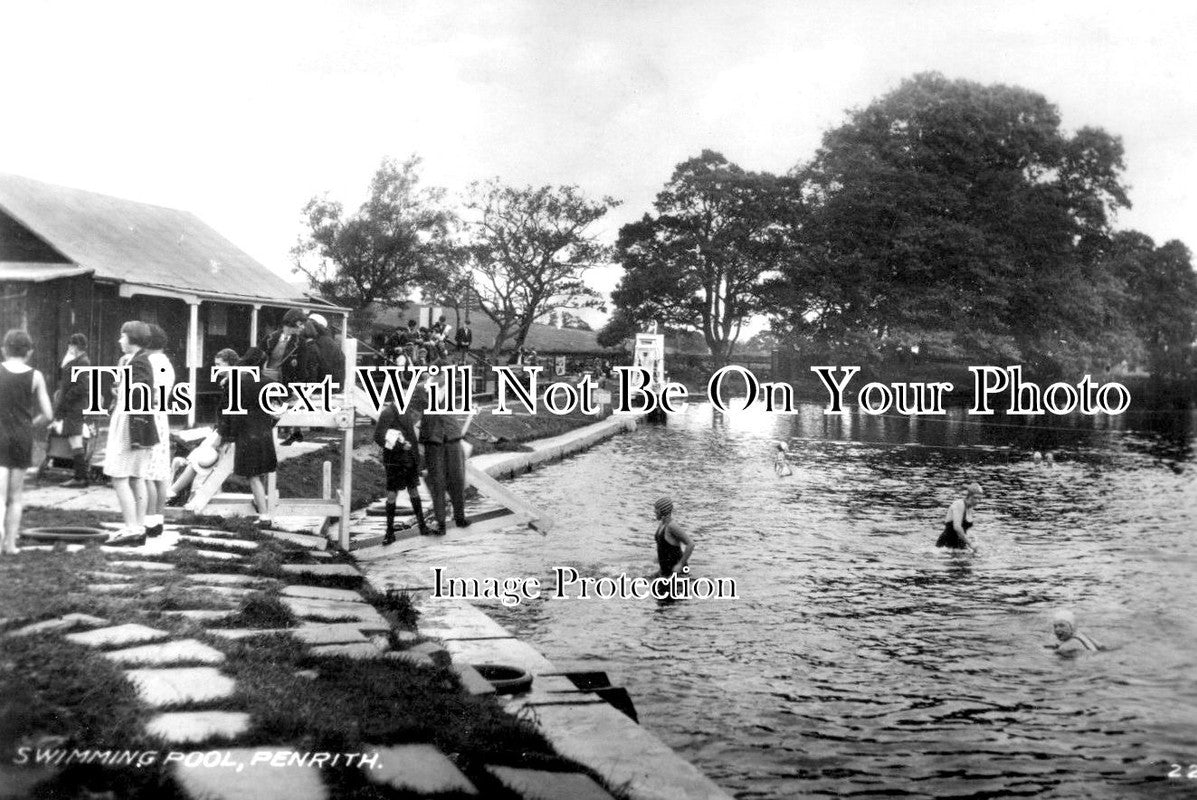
505 679
69 535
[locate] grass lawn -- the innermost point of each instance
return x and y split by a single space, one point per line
491 432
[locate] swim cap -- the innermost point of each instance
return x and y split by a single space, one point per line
1064 615
663 507
975 488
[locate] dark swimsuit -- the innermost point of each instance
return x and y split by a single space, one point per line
667 554
949 537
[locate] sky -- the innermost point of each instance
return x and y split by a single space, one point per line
241 112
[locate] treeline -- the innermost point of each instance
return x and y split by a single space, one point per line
947 219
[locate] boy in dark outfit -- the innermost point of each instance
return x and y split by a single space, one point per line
396 436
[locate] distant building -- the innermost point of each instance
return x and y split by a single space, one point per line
72 260
546 340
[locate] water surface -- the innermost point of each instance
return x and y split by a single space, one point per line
860 660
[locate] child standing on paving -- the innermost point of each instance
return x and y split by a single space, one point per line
396 436
20 387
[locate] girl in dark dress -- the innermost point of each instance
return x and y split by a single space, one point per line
69 402
20 388
252 432
957 523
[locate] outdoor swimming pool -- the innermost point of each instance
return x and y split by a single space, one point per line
859 660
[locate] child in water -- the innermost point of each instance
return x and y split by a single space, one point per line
780 464
1070 641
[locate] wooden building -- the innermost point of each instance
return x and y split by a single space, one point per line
77 261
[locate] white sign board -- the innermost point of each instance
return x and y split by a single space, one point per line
650 354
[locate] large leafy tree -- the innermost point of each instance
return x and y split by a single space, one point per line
700 262
958 217
1160 300
375 255
529 250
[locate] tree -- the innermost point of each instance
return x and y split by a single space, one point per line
1160 300
375 255
529 249
701 262
957 215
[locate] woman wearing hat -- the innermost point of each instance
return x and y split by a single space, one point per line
957 522
673 545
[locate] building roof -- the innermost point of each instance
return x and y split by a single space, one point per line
129 242
542 338
37 271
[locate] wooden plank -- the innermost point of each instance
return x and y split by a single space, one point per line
302 507
501 494
208 485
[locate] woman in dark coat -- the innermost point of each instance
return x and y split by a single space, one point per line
252 432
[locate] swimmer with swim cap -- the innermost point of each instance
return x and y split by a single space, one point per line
673 545
1070 641
957 522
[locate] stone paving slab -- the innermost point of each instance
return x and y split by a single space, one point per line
457 619
303 540
101 575
420 769
322 569
116 635
176 652
321 593
344 633
59 624
213 578
255 781
168 687
236 544
331 609
365 650
182 727
535 784
300 525
215 554
160 566
626 754
110 588
203 614
234 592
209 533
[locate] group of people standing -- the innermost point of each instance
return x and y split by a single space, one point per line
137 456
422 346
415 442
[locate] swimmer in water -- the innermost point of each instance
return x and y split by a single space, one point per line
674 546
957 522
780 464
1049 459
1070 641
